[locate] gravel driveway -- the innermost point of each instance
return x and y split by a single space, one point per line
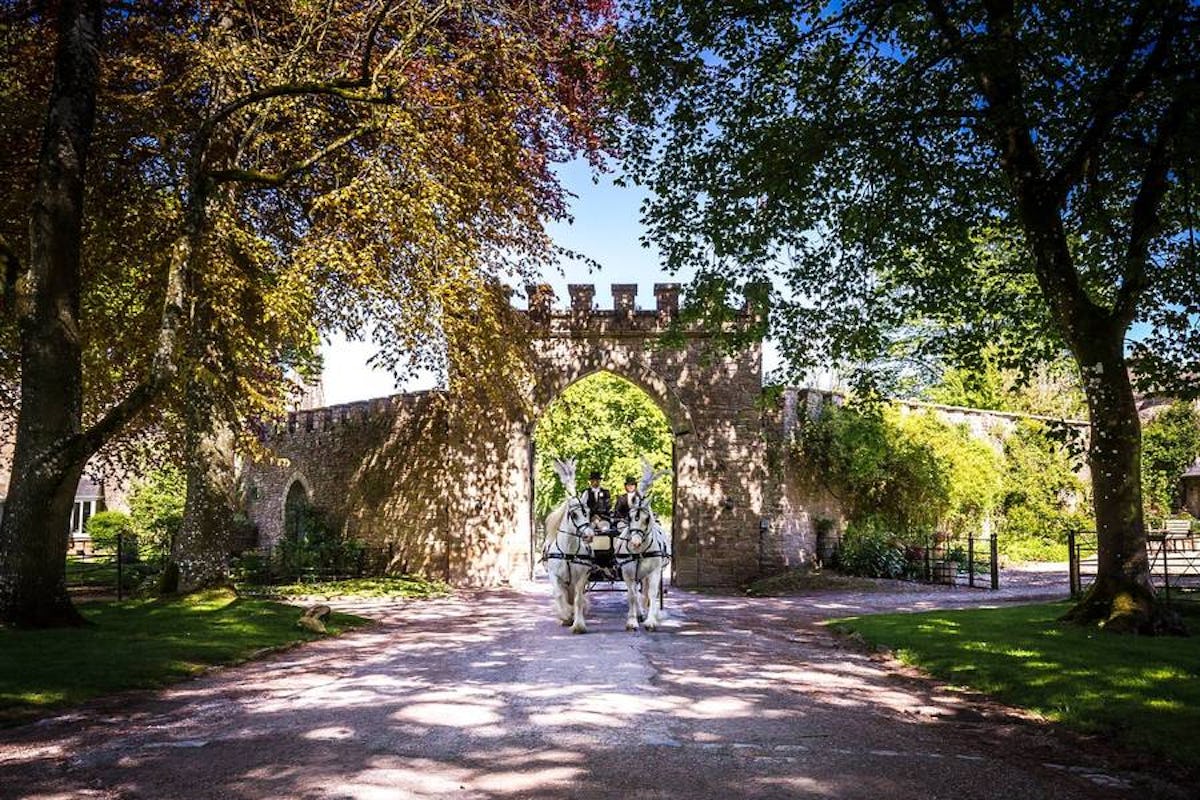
485 696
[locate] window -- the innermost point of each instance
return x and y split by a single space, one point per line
81 512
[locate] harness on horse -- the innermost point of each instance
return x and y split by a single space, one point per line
571 558
614 562
636 558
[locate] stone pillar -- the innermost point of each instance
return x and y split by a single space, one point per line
582 295
541 296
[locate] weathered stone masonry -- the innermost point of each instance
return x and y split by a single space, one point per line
449 489
451 492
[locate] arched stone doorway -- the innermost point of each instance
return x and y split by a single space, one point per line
711 400
608 424
296 510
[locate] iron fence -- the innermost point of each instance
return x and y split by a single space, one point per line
1174 560
279 564
121 569
945 560
124 569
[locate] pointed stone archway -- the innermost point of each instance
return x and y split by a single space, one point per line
711 401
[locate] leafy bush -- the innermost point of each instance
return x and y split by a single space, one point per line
869 550
316 551
156 510
876 470
105 526
912 474
251 567
1042 498
973 471
1170 443
909 472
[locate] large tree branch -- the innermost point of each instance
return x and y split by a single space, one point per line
1145 221
1114 95
348 88
991 63
261 178
372 35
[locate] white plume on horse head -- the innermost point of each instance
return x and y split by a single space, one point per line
565 470
649 476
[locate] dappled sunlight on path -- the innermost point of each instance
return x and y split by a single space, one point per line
485 696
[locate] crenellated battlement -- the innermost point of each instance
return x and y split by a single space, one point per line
360 411
584 313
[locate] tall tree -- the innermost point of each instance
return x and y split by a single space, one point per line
44 293
1019 174
263 171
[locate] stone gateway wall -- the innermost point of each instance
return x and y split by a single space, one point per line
437 489
446 486
450 491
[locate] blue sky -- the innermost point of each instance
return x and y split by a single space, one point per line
606 228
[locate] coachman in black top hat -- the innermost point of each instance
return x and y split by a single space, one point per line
596 497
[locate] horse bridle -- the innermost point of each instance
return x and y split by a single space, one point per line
627 535
579 526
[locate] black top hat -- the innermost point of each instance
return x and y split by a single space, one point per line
594 475
630 479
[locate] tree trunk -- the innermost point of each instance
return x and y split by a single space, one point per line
47 463
1122 598
35 533
201 551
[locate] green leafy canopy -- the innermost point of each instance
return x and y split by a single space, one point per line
856 155
607 424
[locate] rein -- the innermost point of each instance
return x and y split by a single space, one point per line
576 557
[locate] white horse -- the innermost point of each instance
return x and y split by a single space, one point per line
643 550
568 552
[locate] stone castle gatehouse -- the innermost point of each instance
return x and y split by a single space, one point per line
451 493
448 491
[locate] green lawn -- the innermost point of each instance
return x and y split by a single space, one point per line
410 586
1144 692
140 644
103 574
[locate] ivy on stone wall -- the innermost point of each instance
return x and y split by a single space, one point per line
1043 496
876 470
904 479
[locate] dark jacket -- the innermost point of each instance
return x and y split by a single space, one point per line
599 504
622 509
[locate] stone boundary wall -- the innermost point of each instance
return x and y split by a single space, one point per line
448 487
806 519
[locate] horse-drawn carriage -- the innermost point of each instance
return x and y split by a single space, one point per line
582 552
607 563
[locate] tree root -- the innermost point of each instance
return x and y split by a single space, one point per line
1126 612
